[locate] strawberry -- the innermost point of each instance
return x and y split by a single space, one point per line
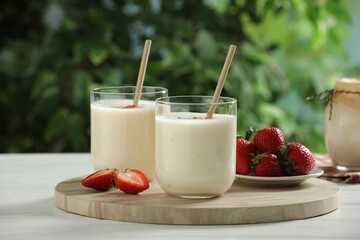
131 181
297 159
130 106
245 150
266 165
269 140
100 180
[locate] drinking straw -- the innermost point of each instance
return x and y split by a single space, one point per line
142 70
221 81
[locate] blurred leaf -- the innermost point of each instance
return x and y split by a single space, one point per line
7 57
98 55
45 80
219 6
46 101
81 50
57 124
53 16
252 53
75 131
110 75
271 31
240 3
270 113
81 79
205 45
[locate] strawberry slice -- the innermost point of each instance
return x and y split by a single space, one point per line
131 181
130 106
100 180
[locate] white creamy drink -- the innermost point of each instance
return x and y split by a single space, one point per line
341 125
123 137
195 157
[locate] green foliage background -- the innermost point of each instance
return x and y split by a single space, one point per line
52 53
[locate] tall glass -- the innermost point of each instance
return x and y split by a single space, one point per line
123 136
195 157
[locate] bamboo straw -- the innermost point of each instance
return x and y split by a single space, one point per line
221 81
142 70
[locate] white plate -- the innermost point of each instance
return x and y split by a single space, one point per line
278 181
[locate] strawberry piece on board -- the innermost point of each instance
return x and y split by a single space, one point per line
131 181
100 180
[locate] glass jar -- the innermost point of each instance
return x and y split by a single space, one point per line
342 124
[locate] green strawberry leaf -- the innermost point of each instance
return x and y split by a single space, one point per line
256 160
249 133
287 164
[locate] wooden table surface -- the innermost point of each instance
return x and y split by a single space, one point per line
27 210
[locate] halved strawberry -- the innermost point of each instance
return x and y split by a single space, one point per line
131 181
100 180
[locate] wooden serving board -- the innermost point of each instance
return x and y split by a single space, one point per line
241 204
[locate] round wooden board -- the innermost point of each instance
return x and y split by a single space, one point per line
241 204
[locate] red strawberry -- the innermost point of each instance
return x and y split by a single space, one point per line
100 180
130 106
132 181
266 165
245 150
269 140
297 159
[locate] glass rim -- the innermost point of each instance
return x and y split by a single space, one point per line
100 90
165 100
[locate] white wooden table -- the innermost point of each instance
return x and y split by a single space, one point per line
27 210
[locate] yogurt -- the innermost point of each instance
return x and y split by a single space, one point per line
123 137
341 125
195 157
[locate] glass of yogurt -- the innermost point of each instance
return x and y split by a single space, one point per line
341 125
123 136
195 156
